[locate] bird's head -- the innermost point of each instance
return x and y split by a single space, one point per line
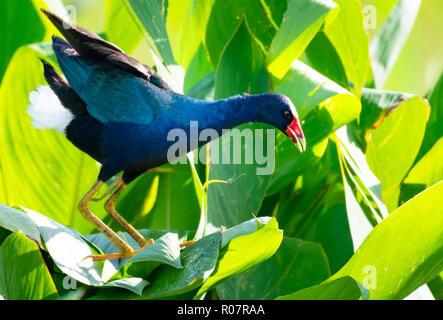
281 113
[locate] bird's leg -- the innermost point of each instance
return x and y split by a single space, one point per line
126 250
112 186
110 208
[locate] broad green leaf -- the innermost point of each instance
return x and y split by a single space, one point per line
165 250
243 228
245 252
161 200
183 29
425 173
223 23
436 286
198 260
296 265
308 88
377 104
350 40
322 56
434 129
23 272
394 144
68 248
152 15
344 288
13 219
40 169
198 69
28 23
302 20
241 67
402 252
387 44
21 17
120 27
332 231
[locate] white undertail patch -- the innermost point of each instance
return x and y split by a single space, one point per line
46 110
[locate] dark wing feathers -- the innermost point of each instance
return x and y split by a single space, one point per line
114 86
91 46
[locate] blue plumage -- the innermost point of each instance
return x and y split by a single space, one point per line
121 113
128 112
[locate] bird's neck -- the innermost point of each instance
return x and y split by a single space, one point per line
234 111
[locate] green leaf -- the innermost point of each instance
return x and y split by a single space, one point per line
344 288
434 129
35 170
117 16
152 15
223 23
198 69
198 260
183 23
425 173
245 252
161 200
350 40
23 272
12 15
68 248
241 67
394 144
376 105
301 22
387 44
323 57
297 264
332 231
402 252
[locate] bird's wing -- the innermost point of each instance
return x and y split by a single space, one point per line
88 45
111 94
115 96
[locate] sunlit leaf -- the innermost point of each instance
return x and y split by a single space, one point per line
344 288
297 264
350 40
301 22
244 252
383 266
394 144
389 41
23 272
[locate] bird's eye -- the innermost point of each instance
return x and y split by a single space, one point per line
287 114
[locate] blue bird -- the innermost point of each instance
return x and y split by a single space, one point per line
120 112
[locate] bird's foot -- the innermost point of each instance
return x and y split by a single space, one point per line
120 255
187 243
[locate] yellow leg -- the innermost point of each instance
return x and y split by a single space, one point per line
187 243
110 208
112 186
126 250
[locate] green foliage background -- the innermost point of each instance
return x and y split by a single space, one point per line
357 216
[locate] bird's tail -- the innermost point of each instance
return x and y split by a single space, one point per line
46 110
56 105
